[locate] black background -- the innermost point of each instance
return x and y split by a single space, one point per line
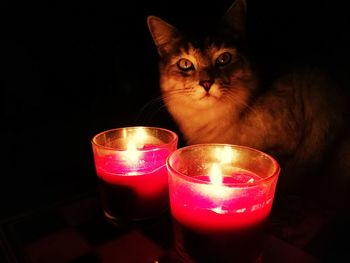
72 69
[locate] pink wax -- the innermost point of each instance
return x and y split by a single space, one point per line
148 177
204 211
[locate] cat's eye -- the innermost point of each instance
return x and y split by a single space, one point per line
184 64
224 59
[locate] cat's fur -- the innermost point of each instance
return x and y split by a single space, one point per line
299 119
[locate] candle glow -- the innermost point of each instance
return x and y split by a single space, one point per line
130 165
225 154
132 155
215 175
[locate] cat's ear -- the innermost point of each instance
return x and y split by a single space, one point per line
163 34
235 17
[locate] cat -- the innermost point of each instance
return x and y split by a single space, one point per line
215 93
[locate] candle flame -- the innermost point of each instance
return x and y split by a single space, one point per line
225 154
134 143
140 137
131 153
215 175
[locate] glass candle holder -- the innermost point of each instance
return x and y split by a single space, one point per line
220 198
131 168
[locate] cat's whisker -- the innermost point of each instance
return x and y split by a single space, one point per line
144 111
177 92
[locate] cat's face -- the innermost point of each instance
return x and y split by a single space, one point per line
205 70
204 74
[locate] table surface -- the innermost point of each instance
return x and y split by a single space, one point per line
75 231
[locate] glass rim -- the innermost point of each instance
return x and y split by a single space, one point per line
274 174
174 137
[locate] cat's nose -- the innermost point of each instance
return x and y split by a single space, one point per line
206 84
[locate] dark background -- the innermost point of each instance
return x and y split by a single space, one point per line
72 69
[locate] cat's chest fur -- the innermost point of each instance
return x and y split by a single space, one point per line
200 125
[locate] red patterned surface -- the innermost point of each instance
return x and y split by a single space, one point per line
75 231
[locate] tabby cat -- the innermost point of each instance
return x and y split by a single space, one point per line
213 91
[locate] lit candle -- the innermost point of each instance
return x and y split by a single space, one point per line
220 197
130 165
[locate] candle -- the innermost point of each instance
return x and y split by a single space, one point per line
220 197
130 165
